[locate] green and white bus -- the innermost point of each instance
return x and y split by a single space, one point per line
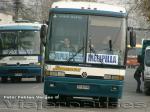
20 51
96 67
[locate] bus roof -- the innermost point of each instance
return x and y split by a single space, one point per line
20 26
89 6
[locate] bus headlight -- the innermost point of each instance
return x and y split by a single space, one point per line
55 73
37 63
113 77
3 64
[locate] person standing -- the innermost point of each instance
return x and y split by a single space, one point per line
137 76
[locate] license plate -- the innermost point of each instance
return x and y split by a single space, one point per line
84 87
18 74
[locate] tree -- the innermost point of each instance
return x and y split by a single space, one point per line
17 6
38 11
46 4
86 0
145 8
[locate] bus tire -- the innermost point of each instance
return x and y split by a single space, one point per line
146 88
65 99
147 91
103 102
51 99
18 79
62 97
42 79
15 79
4 79
38 79
113 102
107 102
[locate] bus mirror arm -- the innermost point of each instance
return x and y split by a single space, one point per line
43 34
110 45
132 37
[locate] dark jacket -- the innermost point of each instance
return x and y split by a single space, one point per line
138 72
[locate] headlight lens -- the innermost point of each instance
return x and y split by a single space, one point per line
35 63
55 73
113 77
3 64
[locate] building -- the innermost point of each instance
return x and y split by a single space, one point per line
5 18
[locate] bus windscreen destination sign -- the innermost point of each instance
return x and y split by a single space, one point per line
102 59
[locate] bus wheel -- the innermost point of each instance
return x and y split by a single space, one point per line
38 79
18 79
4 79
51 99
65 99
62 97
147 91
15 79
113 102
146 88
12 79
103 102
107 102
42 78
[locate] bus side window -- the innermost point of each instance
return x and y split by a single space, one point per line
1 45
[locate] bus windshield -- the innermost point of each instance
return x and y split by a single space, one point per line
88 39
20 42
147 57
106 40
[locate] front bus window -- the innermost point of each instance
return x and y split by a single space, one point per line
20 42
29 42
9 42
67 38
147 57
106 40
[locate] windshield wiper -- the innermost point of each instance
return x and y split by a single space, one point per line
23 48
75 54
110 45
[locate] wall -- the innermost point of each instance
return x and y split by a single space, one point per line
5 18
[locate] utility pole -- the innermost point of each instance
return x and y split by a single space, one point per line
37 10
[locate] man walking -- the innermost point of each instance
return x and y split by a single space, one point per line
137 76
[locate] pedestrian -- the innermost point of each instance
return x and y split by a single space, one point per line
137 76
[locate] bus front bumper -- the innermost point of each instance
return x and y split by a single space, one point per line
83 87
20 71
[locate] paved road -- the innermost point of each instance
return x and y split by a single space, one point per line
28 96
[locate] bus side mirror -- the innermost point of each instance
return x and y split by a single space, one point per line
43 34
139 59
132 38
